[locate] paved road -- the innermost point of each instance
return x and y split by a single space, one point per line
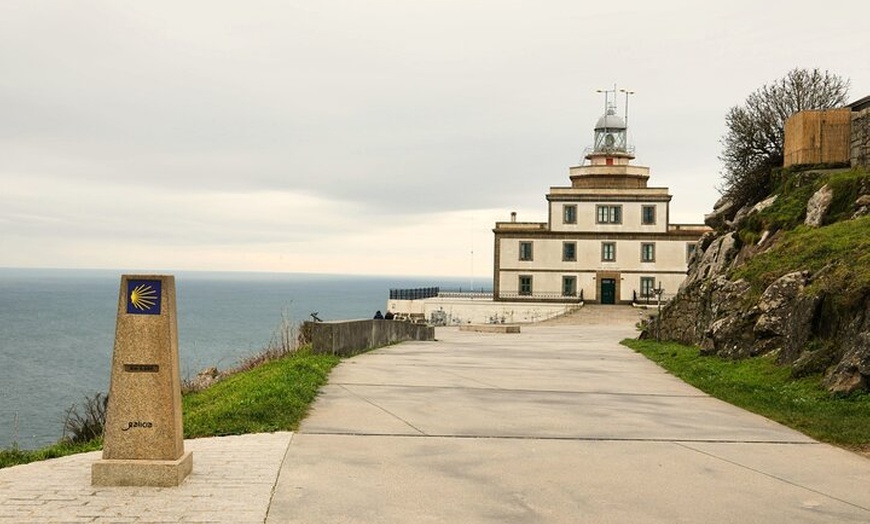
557 424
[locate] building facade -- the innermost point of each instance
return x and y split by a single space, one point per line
608 237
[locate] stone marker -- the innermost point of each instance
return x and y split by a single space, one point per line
144 439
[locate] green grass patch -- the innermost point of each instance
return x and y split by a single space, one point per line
843 248
15 456
760 386
272 397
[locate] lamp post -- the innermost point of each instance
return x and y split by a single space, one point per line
658 291
627 94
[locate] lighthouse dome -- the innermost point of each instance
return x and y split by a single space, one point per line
610 120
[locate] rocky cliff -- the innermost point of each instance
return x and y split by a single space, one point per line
788 276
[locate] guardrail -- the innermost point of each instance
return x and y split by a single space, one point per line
466 294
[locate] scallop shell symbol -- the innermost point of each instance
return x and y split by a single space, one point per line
143 297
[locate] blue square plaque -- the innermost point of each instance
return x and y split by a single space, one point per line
143 297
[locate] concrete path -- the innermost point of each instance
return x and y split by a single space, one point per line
556 424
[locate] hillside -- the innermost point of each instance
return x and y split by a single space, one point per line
788 276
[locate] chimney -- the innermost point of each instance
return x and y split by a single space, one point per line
513 216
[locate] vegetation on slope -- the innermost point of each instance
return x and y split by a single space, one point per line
841 247
274 396
271 397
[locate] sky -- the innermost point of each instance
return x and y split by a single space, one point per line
377 137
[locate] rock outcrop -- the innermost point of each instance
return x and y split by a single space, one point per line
818 206
794 318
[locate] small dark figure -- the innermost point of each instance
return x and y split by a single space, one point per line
378 315
389 315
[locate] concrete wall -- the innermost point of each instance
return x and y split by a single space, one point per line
349 337
458 311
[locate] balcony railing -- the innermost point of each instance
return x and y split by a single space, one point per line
418 293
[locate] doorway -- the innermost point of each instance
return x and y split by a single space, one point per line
608 291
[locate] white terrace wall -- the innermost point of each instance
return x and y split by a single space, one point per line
455 311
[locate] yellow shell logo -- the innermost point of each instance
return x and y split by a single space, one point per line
143 297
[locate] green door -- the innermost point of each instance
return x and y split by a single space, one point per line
608 291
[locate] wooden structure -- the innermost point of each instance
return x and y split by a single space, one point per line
818 137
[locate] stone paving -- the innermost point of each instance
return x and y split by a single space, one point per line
232 481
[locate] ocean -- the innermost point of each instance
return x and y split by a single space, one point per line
57 330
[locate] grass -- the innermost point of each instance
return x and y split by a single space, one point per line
15 456
760 386
273 396
843 248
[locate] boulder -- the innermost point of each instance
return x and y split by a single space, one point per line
852 372
862 206
714 260
723 211
747 211
764 204
731 337
818 205
204 379
739 217
777 304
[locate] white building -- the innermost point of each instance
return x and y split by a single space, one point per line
608 237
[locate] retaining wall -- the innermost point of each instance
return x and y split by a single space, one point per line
349 337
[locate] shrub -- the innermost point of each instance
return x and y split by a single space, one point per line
85 425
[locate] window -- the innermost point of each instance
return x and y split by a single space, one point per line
647 252
647 287
569 251
609 214
569 286
608 252
525 285
525 251
648 215
690 250
569 214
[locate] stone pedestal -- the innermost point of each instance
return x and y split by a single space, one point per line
144 437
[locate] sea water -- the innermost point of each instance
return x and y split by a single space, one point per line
57 330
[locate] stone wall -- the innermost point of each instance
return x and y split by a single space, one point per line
349 337
860 145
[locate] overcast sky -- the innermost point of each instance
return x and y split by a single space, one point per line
362 137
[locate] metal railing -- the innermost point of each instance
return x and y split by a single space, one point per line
549 297
650 299
418 293
466 294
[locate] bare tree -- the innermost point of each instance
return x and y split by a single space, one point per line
753 145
